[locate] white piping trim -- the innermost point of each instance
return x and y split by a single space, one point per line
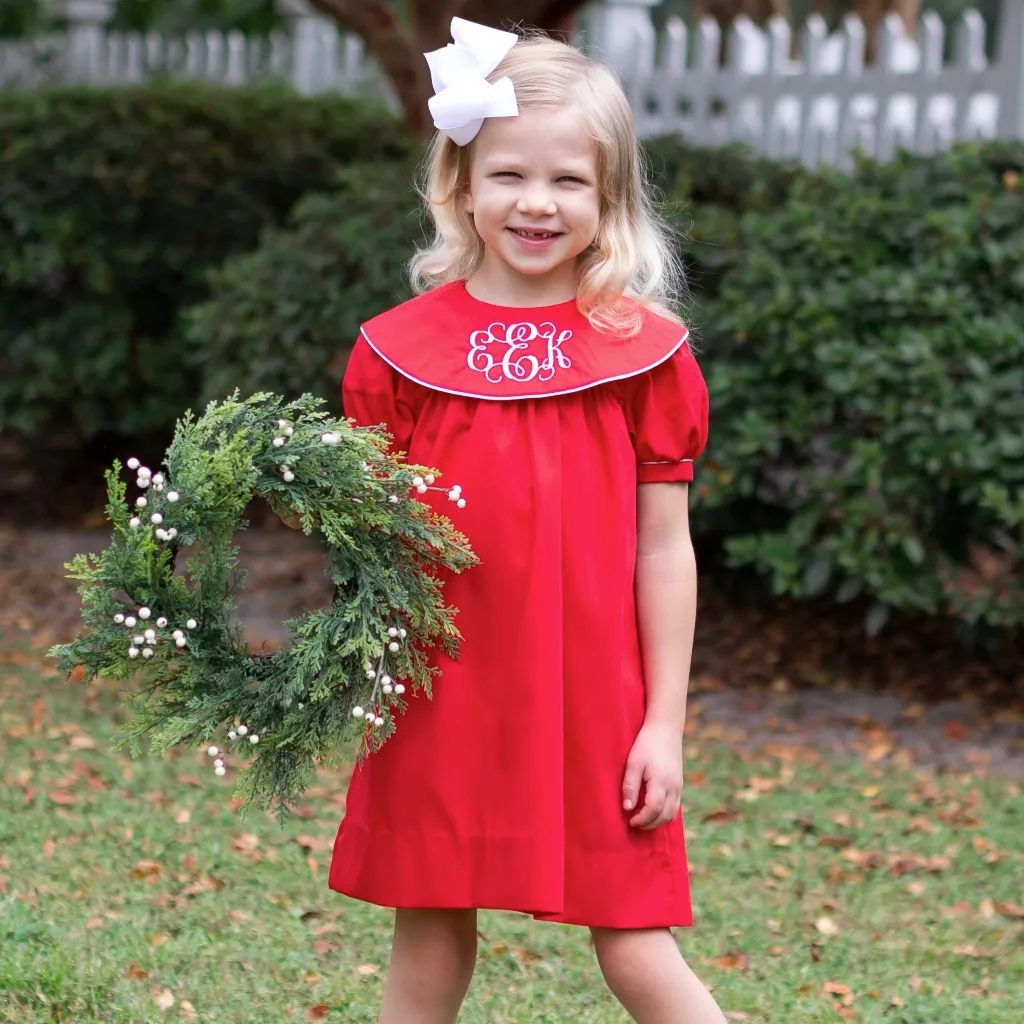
515 398
665 462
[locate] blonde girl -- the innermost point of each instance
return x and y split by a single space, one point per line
541 368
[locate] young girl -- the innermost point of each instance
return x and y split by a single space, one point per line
540 369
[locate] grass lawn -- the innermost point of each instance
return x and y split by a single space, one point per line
824 890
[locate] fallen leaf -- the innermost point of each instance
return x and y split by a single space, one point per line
720 815
971 951
164 999
188 1011
776 950
157 939
62 797
82 743
48 848
312 865
826 926
314 844
182 816
367 969
954 730
322 947
245 843
879 749
135 973
733 962
317 1012
987 908
835 988
149 870
1010 910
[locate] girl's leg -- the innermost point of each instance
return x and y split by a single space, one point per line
647 974
432 961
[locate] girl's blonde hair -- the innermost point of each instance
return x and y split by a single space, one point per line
631 256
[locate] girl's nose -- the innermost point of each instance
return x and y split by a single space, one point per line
535 202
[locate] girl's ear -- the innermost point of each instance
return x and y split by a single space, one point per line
467 200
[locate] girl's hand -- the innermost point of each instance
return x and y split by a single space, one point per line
656 760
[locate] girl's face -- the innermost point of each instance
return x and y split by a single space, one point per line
534 197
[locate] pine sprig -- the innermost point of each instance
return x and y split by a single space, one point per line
342 680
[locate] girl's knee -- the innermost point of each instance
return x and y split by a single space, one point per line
626 956
441 940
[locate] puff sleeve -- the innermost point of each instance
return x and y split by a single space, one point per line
668 413
373 393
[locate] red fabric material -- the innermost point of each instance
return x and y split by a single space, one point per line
504 353
504 790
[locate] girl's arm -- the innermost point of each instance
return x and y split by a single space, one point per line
666 598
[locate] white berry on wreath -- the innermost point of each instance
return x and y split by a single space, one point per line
132 463
173 496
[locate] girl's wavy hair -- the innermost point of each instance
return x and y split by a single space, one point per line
631 260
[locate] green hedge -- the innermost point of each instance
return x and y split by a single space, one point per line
861 333
284 317
862 337
866 360
114 205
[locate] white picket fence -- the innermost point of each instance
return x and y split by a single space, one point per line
812 98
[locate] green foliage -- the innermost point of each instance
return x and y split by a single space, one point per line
866 366
861 335
114 204
195 678
284 315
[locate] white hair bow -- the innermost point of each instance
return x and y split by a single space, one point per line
463 97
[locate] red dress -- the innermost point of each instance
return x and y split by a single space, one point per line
503 791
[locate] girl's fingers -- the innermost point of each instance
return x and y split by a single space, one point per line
654 803
669 813
631 785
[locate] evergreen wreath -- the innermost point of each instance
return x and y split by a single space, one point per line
168 626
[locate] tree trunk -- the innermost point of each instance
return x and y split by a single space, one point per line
399 48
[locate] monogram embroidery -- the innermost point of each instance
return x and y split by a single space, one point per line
519 352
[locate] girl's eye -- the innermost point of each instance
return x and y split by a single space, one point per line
505 174
574 180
